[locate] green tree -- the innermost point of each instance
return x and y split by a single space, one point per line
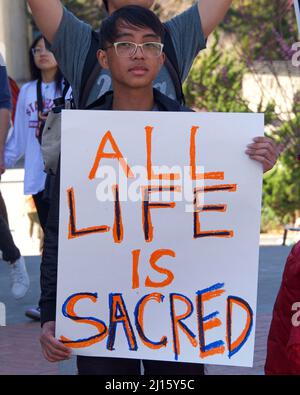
281 186
263 29
90 11
215 83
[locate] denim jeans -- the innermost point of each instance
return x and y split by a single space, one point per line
10 252
42 208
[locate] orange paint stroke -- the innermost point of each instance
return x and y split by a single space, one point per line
140 318
150 172
193 168
169 275
118 229
73 231
147 206
115 155
198 233
100 326
177 323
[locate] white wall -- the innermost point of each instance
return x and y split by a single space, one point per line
278 82
14 37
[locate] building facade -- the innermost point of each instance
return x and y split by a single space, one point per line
15 37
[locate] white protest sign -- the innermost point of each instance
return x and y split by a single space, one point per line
160 267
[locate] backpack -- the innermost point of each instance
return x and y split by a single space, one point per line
14 89
51 135
92 68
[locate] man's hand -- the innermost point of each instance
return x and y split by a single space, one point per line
53 350
265 151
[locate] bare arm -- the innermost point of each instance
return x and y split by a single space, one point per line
4 125
47 15
212 13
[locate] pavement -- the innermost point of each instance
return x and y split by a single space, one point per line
20 352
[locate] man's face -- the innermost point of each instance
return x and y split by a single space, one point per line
137 71
116 4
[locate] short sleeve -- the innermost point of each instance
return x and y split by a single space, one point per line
70 47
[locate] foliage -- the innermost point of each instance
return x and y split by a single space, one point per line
281 186
90 11
215 83
264 29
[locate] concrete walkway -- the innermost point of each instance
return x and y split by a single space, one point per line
20 351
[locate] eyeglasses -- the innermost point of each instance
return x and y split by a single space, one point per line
39 51
127 49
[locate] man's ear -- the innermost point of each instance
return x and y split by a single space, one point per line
102 59
162 59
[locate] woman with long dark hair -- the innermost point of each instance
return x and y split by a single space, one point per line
35 100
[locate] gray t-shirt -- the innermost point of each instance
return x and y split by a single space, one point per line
73 39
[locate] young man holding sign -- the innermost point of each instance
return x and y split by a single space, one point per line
72 40
132 51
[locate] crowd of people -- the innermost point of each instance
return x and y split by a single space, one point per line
133 63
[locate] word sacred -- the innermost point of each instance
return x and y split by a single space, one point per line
147 191
119 316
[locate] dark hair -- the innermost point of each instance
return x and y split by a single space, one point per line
131 15
105 2
36 73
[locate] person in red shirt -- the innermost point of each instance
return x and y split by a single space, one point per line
283 349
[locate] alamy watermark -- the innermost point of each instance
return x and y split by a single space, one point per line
296 54
164 184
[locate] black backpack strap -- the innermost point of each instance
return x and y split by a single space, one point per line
91 70
39 95
66 88
40 103
172 65
90 82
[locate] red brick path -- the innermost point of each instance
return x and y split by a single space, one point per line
20 352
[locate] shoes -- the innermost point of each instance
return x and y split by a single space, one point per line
19 278
34 313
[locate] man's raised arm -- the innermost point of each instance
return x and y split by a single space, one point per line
212 13
47 15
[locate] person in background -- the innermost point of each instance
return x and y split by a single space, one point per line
34 102
283 348
10 253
